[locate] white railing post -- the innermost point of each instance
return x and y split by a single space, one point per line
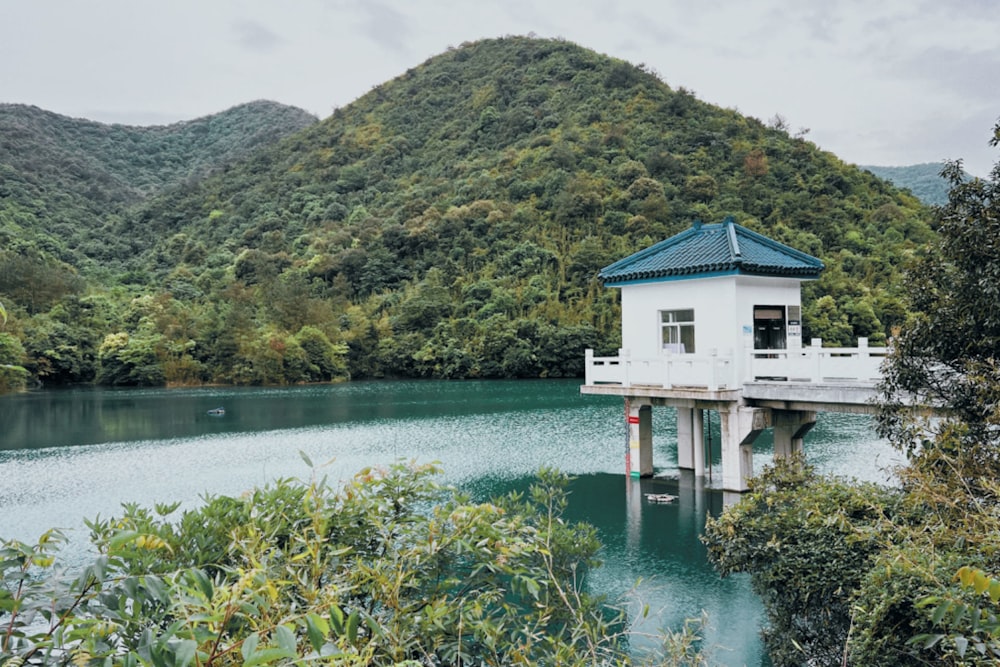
626 363
588 366
667 364
861 371
817 352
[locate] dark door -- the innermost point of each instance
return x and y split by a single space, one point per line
769 327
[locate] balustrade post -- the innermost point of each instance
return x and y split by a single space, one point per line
588 367
864 359
623 356
817 352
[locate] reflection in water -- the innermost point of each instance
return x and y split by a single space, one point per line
71 454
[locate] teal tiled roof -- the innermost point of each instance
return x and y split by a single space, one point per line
723 248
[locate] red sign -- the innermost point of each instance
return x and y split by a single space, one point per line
633 419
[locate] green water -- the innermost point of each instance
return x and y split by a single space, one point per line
70 454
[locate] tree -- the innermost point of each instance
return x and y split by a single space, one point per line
947 355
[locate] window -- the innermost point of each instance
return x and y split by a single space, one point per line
677 330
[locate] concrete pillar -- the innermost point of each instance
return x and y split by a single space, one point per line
685 439
646 441
639 462
790 427
740 427
698 435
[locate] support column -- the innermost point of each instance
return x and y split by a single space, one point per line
698 434
740 427
639 461
685 439
790 427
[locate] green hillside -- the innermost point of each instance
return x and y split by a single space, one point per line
451 223
62 179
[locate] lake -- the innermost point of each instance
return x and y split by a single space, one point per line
72 454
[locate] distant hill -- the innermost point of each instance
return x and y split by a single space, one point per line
60 175
451 223
125 162
923 180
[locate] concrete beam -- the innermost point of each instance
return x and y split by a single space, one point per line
817 397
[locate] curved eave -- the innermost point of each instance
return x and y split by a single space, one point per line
715 271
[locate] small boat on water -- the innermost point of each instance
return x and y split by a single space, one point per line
216 412
660 498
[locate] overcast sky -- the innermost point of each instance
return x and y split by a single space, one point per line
884 82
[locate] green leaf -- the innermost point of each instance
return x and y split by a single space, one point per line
928 641
317 628
156 588
958 613
939 612
185 652
285 638
532 586
352 626
995 591
250 646
163 509
373 625
268 656
122 537
337 619
203 582
980 582
306 459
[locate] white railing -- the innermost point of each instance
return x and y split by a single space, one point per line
817 364
814 364
671 370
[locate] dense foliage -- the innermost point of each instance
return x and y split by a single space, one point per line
807 541
450 223
63 181
392 569
853 574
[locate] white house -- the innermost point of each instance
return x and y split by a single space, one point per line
712 290
711 320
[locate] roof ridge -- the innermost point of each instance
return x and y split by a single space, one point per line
713 249
734 243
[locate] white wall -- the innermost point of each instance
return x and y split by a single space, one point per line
723 311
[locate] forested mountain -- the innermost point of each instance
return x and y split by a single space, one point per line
451 223
923 180
62 179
